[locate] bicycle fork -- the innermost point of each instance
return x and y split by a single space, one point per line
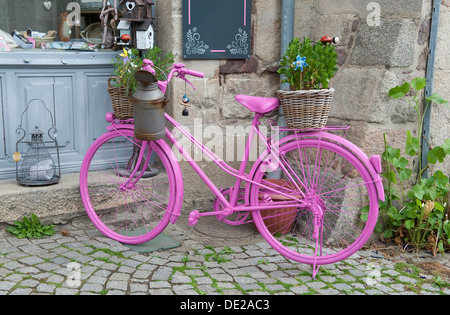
137 163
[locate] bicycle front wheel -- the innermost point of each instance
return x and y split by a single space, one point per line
340 202
128 200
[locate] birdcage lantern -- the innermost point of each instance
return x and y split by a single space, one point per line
36 167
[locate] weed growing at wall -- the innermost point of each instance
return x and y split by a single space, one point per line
416 214
31 228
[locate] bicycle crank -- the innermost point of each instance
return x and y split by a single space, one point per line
195 215
239 217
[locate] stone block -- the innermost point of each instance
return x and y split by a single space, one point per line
446 4
240 66
203 103
424 32
266 29
305 18
373 142
440 115
45 201
341 26
362 95
442 51
164 29
388 8
265 85
390 44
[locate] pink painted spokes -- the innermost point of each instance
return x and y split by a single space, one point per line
128 187
338 193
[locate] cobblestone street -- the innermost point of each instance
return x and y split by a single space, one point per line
82 261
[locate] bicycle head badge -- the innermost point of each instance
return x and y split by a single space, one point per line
149 108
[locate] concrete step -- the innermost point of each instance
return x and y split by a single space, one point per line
58 200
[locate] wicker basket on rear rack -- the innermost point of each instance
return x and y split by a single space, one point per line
306 109
121 102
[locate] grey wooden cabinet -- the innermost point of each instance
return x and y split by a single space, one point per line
73 86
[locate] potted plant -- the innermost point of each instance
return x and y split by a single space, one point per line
122 84
308 68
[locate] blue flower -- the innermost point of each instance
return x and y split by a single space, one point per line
300 63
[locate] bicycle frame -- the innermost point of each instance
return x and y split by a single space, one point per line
301 187
179 71
272 146
231 206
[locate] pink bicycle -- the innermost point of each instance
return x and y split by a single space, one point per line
312 194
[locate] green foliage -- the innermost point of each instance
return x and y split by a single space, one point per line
321 60
130 60
160 60
417 216
31 228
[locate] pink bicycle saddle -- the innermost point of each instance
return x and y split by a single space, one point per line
262 105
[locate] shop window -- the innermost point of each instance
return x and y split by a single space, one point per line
45 21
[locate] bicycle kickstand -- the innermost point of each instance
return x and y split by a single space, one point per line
317 234
315 267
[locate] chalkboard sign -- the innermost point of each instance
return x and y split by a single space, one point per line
217 29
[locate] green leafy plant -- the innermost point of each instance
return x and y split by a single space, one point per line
415 209
126 63
31 228
315 70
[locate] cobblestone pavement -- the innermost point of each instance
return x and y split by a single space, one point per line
83 262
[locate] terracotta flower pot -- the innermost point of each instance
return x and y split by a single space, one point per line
278 220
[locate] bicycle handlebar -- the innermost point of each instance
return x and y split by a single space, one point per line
193 73
182 71
177 69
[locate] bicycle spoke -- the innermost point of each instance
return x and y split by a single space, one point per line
337 186
127 198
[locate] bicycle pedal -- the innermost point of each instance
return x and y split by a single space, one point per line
193 217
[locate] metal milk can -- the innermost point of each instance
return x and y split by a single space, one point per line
149 103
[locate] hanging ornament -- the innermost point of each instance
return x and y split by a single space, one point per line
185 102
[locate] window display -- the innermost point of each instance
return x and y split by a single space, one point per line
74 24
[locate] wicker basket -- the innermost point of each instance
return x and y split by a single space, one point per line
306 109
93 33
121 103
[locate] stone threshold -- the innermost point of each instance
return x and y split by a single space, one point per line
58 199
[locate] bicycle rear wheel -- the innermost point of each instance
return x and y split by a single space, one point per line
340 202
129 208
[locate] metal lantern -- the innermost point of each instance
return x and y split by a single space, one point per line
37 166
